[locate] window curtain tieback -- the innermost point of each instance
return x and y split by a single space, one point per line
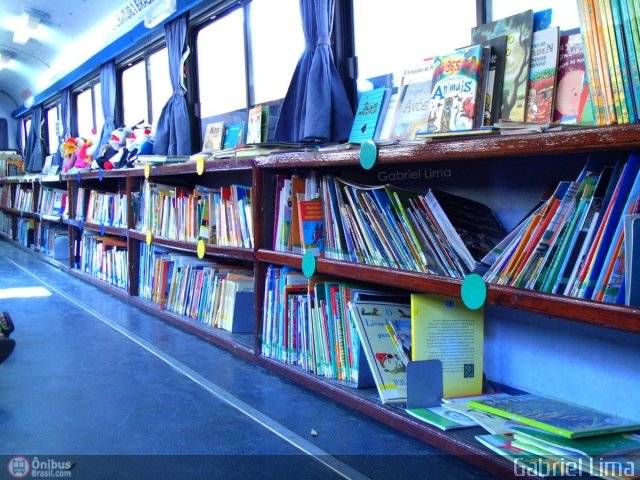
323 40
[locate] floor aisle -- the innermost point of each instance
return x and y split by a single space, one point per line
121 394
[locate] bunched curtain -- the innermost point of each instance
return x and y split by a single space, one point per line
173 134
34 150
108 87
65 122
316 107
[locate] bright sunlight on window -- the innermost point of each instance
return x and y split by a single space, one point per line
221 66
565 14
390 38
134 94
85 113
160 82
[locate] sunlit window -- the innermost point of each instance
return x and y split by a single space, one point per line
52 129
276 44
565 13
97 101
84 108
160 83
221 65
389 39
134 94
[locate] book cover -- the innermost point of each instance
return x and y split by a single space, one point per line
495 77
368 115
213 137
386 117
519 31
254 125
454 88
632 260
542 75
442 328
234 135
311 224
388 369
560 418
570 79
441 417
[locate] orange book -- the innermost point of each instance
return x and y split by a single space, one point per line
297 188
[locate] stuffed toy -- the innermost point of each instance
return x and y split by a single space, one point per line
114 152
86 149
68 150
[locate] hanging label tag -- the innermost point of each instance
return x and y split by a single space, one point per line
147 171
308 264
202 249
100 174
149 237
200 165
473 291
368 154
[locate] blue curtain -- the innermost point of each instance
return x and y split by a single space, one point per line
19 127
173 133
316 107
34 150
65 121
108 90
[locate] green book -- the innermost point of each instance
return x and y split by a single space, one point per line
559 418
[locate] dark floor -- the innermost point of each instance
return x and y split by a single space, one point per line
121 394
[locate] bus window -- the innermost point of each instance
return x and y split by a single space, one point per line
221 65
84 109
52 129
565 14
134 94
390 38
160 83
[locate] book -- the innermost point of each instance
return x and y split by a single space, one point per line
255 121
495 76
560 418
213 137
388 369
542 75
456 77
234 135
442 328
311 226
571 83
441 417
367 120
519 31
632 260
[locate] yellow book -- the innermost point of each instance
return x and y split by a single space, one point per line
443 328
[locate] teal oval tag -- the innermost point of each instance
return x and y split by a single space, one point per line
368 154
308 264
473 291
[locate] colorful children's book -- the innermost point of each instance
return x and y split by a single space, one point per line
442 328
542 75
454 88
234 135
311 224
441 417
519 31
389 371
559 418
571 75
254 125
368 117
495 76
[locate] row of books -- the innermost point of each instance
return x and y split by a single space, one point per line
6 224
612 52
104 257
103 208
228 136
54 241
53 202
580 241
220 216
209 293
25 231
23 199
383 225
5 196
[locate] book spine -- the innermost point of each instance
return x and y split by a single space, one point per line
591 65
612 70
624 59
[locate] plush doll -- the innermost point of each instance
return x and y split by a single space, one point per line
68 150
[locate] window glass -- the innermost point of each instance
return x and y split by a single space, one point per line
565 14
221 65
97 101
25 131
52 129
276 44
389 39
160 82
134 94
85 113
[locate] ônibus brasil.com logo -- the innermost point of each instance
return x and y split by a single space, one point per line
19 467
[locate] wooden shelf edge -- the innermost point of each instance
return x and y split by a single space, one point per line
212 250
571 140
585 311
473 453
220 338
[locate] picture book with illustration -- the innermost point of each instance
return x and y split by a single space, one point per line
454 90
560 418
368 117
519 31
542 75
572 88
388 369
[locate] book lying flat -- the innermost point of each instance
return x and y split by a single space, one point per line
560 418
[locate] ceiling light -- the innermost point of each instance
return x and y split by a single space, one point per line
27 25
5 58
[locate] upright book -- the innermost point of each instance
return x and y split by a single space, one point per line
519 31
389 370
542 75
571 88
560 418
213 137
452 106
368 117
